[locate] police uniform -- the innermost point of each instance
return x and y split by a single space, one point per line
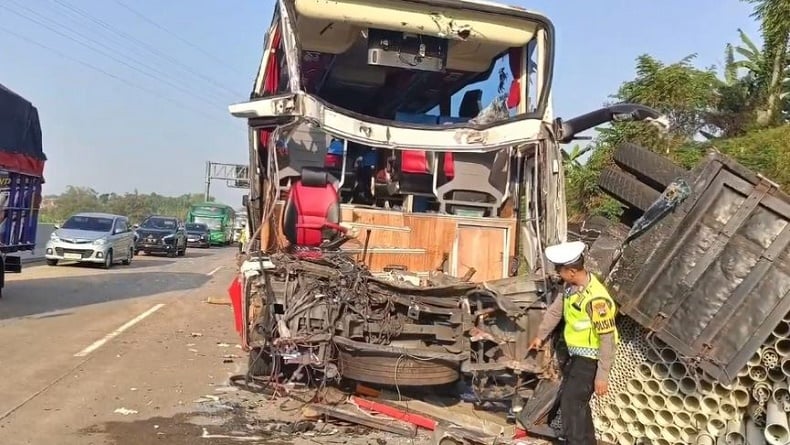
591 337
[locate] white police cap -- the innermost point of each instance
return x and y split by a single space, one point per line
565 253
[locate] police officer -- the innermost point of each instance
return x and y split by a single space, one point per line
590 334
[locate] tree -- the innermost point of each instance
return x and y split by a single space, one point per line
684 93
774 17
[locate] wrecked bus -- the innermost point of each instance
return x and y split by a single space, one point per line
406 174
21 177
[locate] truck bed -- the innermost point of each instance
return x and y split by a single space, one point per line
712 278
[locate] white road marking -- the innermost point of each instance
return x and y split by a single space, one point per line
99 343
216 269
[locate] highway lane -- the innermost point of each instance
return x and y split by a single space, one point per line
86 352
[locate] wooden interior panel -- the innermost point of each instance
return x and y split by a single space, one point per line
419 241
483 248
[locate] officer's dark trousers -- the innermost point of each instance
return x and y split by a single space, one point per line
578 387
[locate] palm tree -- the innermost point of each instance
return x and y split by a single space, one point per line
774 17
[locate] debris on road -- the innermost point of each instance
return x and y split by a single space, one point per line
224 301
196 334
125 411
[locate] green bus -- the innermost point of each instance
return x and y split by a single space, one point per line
219 218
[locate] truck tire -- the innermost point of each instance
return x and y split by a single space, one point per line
627 189
649 167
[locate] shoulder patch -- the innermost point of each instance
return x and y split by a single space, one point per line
603 316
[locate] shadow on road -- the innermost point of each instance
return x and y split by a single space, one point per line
136 264
34 296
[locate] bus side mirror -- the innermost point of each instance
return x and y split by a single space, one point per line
245 200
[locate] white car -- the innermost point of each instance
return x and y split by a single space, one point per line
99 238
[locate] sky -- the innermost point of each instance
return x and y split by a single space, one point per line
133 94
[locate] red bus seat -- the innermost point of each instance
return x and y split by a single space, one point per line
312 212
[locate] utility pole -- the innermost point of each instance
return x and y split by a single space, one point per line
208 180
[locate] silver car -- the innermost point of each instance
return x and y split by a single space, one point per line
100 238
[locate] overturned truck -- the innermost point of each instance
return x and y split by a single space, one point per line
396 242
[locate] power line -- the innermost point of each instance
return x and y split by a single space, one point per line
164 29
111 56
108 74
153 50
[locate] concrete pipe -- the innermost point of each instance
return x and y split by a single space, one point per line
652 432
674 403
634 386
704 439
692 403
740 396
715 426
780 393
651 387
636 429
645 416
776 374
782 330
761 391
656 402
745 381
628 415
687 385
670 433
728 410
786 367
758 373
776 428
625 439
754 434
602 423
688 434
682 418
652 356
619 427
664 418
769 358
699 420
622 400
782 347
709 404
644 371
661 441
611 411
609 437
639 401
660 371
755 359
677 370
735 433
668 355
704 386
670 387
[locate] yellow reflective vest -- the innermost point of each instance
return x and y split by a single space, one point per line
588 313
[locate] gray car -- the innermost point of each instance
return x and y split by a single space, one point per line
100 238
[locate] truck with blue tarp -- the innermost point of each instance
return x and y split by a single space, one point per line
22 162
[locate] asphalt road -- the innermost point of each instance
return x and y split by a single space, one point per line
122 356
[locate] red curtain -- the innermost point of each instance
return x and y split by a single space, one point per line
514 95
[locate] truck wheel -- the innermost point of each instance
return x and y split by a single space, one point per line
627 189
52 262
649 167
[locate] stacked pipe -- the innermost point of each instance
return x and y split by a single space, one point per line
655 397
